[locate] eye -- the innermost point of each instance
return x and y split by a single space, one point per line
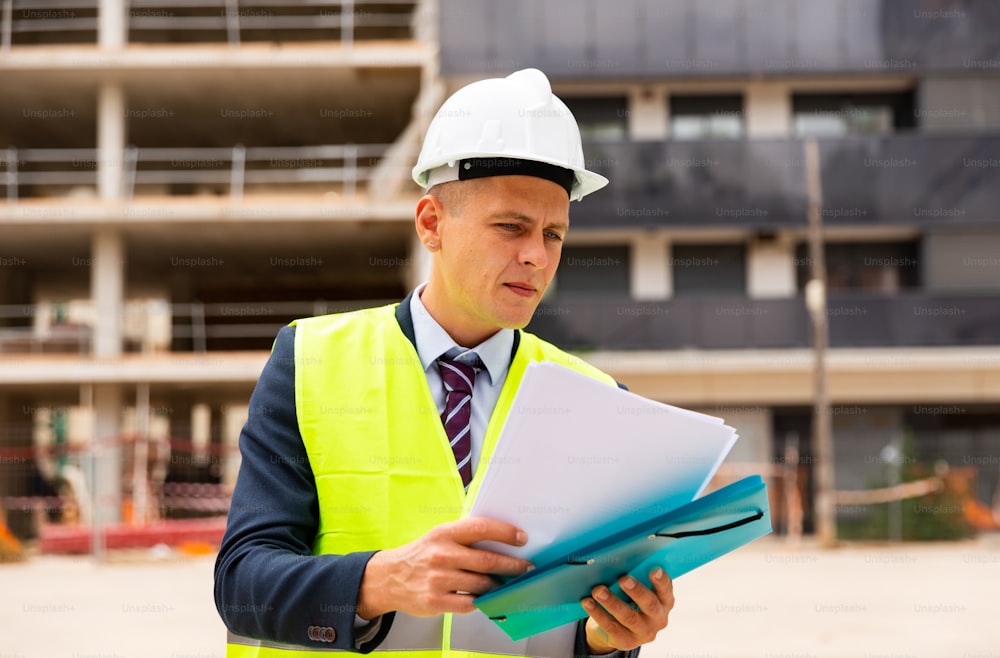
552 235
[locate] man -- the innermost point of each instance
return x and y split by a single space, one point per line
370 431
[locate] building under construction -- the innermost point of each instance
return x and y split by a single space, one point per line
183 178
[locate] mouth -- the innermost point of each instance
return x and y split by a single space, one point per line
522 289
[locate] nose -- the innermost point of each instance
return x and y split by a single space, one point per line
534 253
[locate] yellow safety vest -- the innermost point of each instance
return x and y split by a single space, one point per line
385 472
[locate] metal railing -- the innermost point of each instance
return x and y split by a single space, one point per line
192 326
913 318
196 324
237 168
48 166
901 179
230 21
906 178
905 319
18 335
52 16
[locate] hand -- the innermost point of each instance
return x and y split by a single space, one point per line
614 624
439 572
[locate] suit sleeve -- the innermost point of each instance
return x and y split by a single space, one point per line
268 585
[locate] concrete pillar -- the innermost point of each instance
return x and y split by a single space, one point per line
651 278
107 290
648 113
106 468
112 23
771 269
201 430
236 418
768 110
110 139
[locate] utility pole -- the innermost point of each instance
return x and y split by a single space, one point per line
826 511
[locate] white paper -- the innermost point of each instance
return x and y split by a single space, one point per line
576 454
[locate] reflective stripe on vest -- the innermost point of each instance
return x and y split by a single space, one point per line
384 470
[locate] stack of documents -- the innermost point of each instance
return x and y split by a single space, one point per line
603 480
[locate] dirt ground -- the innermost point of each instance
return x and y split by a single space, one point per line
766 600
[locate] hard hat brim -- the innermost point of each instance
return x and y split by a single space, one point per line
584 182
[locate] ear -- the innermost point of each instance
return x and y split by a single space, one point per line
429 214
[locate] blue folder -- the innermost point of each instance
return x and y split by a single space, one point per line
678 541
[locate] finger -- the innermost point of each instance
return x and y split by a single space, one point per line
648 601
623 613
471 583
476 529
489 562
615 634
453 602
664 586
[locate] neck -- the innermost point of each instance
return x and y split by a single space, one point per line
463 331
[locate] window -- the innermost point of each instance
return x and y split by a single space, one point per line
594 271
709 268
883 267
600 118
706 117
964 435
837 115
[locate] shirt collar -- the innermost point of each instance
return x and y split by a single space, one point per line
433 341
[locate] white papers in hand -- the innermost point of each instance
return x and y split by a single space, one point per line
578 459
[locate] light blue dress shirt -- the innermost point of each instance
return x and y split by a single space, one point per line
433 341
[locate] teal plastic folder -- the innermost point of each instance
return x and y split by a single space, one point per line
678 541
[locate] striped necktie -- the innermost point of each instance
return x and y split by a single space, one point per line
458 379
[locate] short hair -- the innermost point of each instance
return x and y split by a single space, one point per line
454 195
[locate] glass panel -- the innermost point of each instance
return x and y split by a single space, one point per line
884 267
600 118
836 115
706 117
852 121
909 179
716 268
598 270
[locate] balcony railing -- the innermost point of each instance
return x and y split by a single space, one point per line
174 171
26 22
901 179
202 327
156 326
911 179
881 180
695 183
913 319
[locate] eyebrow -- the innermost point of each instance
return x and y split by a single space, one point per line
513 214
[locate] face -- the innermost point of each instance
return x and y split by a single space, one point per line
494 254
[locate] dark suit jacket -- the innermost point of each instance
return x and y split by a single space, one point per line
268 585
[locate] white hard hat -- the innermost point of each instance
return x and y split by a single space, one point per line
505 126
